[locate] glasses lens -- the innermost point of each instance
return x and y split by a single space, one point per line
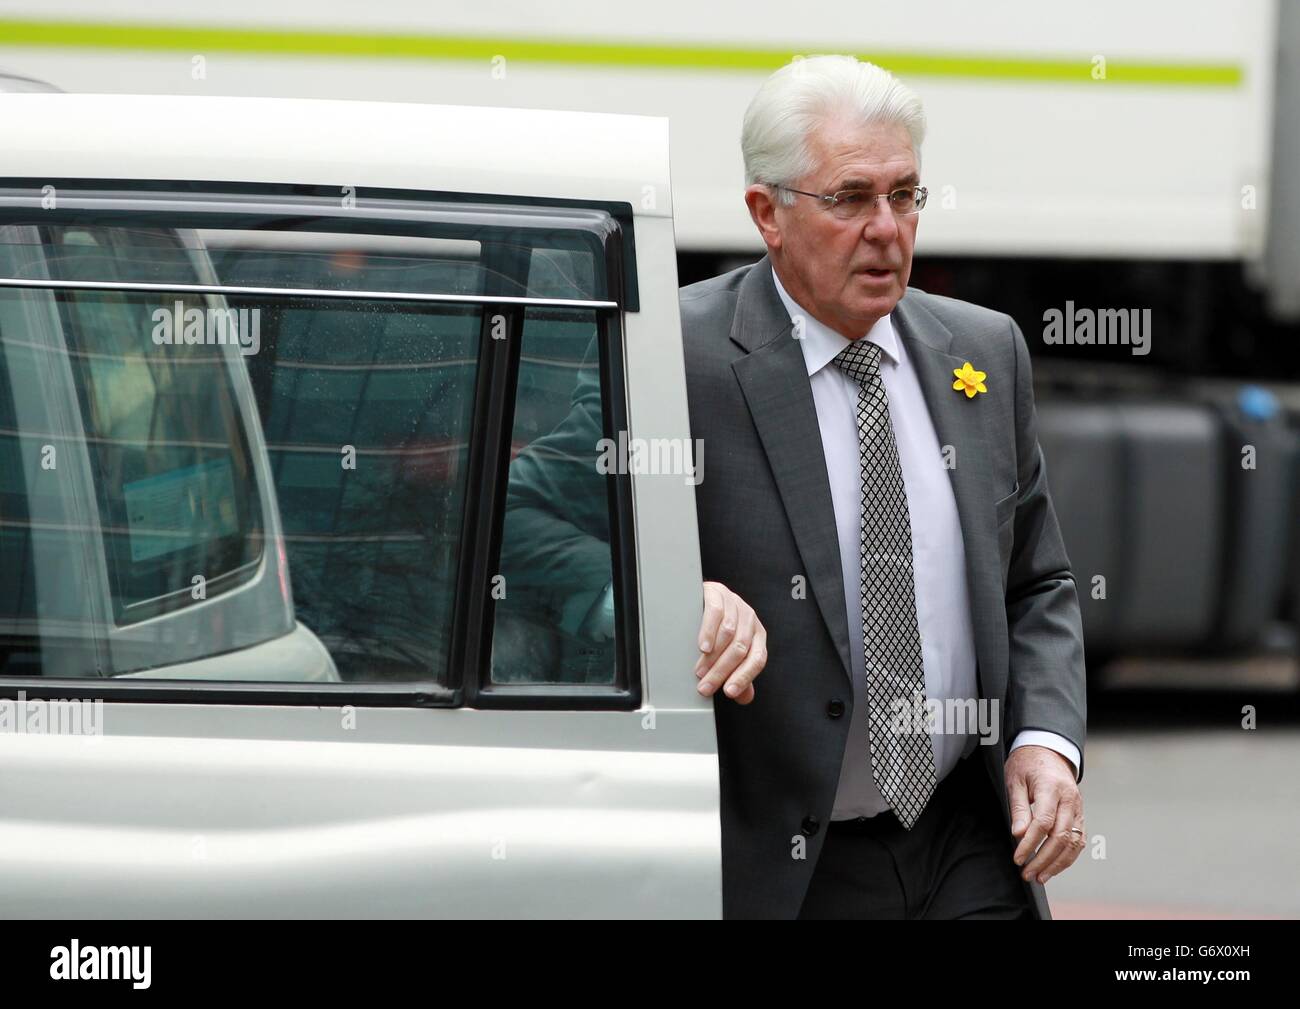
904 201
851 203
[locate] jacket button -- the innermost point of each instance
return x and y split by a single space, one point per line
835 708
811 825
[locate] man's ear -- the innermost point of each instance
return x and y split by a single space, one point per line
762 209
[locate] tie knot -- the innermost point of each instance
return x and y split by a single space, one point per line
860 360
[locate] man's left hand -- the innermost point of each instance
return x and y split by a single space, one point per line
1045 804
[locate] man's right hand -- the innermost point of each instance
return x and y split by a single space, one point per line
733 645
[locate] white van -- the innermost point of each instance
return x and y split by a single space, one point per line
276 378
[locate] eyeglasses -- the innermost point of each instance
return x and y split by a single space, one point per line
850 203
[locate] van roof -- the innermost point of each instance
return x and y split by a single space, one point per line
454 148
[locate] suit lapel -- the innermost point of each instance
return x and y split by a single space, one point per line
959 423
774 380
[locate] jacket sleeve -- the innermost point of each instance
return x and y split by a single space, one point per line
1047 685
556 536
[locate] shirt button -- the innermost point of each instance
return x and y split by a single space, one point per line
810 825
835 708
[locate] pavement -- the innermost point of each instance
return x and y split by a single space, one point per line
1189 815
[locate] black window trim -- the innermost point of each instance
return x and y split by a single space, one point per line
317 208
483 508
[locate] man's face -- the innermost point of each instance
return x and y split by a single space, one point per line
847 273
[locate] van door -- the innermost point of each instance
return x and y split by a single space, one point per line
324 603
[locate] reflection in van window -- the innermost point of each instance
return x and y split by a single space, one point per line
171 462
366 408
171 465
130 500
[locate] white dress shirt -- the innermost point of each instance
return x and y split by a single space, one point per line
943 611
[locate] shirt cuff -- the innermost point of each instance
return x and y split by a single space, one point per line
1053 741
597 623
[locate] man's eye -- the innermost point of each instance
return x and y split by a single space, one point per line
902 197
851 197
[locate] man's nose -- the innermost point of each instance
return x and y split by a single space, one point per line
881 224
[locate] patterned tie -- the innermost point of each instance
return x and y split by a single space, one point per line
902 763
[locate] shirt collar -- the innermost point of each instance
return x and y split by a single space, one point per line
820 343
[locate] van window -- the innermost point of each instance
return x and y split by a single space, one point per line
316 451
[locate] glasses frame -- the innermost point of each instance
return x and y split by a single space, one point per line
920 194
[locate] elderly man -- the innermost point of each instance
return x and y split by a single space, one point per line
880 543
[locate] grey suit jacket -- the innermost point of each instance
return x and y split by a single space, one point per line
765 516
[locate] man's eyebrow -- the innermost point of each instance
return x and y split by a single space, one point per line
861 182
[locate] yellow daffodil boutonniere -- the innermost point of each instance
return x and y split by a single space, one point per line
969 380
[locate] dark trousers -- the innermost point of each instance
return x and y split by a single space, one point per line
955 862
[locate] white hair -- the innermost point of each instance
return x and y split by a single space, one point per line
804 94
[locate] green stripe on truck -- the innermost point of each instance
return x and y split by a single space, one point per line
581 52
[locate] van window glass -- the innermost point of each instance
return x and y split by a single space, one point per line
237 435
555 621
